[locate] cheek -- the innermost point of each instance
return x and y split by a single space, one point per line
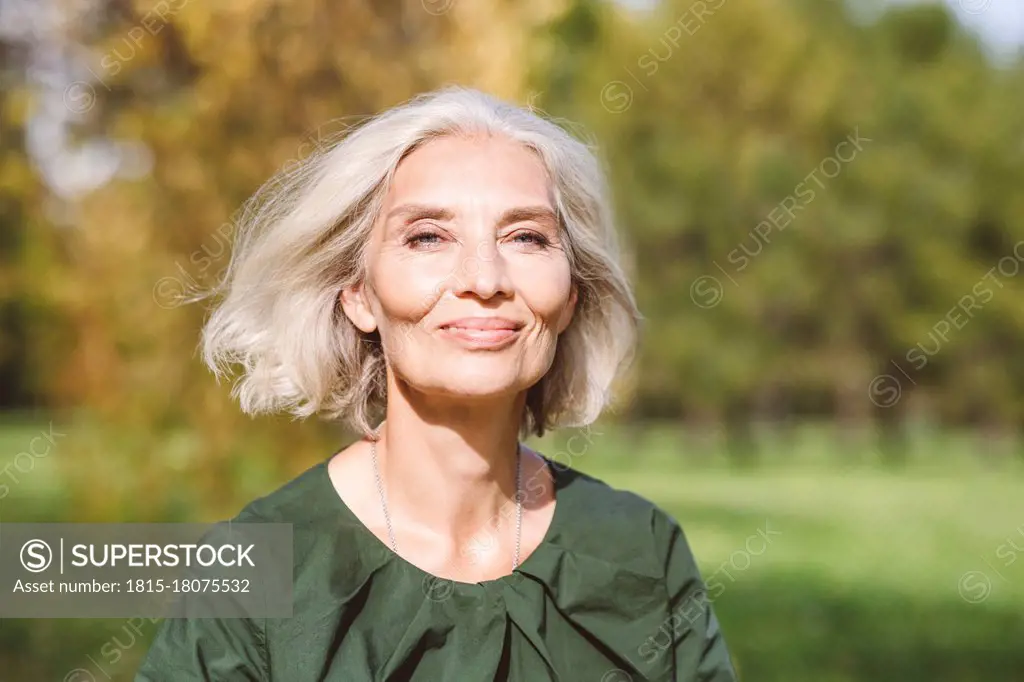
406 292
546 291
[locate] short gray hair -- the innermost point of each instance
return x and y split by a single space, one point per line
301 238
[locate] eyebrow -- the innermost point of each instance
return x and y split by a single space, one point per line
413 212
539 214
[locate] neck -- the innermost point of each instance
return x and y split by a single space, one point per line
449 464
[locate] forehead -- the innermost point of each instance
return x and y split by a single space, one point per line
451 169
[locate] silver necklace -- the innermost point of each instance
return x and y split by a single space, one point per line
387 517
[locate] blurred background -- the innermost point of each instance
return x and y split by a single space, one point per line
824 211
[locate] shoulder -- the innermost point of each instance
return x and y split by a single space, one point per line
604 499
300 501
326 537
605 519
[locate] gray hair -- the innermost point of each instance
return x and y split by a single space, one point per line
301 239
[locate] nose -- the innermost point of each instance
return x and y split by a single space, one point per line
482 271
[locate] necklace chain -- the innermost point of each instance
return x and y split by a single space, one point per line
518 498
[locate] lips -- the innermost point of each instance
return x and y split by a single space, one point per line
482 332
483 324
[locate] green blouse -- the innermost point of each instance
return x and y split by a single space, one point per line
612 594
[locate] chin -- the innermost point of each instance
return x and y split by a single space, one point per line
462 381
479 387
471 375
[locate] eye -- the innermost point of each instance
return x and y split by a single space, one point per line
530 237
424 237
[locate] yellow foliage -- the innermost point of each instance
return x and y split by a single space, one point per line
224 95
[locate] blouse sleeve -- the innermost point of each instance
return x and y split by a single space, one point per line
206 650
699 650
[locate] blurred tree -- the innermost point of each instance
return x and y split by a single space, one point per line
812 199
211 100
816 202
22 362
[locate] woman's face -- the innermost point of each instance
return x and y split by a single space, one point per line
467 282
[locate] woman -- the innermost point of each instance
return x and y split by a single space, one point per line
449 273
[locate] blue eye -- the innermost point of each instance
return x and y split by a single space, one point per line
527 237
426 237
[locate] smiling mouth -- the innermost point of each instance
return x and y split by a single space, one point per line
480 338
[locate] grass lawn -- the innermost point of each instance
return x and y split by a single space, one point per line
871 574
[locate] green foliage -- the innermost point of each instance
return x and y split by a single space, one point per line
781 269
823 213
20 190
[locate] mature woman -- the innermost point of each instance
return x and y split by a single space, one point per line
446 279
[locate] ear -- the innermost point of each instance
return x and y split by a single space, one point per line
357 308
569 311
